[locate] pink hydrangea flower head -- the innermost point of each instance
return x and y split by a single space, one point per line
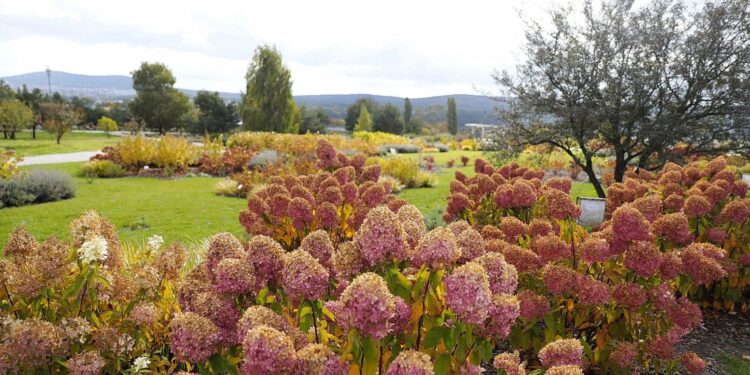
513 228
504 196
562 352
467 292
629 295
523 259
594 249
662 297
510 363
399 322
716 235
381 237
592 291
643 257
737 211
319 245
624 354
696 206
550 248
411 362
674 202
318 359
471 244
674 228
692 363
235 277
302 192
193 338
349 192
370 173
685 314
628 224
560 206
649 206
143 314
671 265
559 279
523 194
303 277
533 306
86 363
437 249
560 183
31 343
564 370
699 261
328 215
502 315
347 261
221 310
661 347
301 213
267 351
503 277
367 306
267 256
540 227
457 203
223 246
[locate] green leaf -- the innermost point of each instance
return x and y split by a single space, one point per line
443 364
434 335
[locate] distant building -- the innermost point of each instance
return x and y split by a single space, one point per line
480 130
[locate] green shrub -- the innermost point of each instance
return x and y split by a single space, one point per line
36 187
102 169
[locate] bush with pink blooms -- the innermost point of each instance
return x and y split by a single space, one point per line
336 200
86 306
625 291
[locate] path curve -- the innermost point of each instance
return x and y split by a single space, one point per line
69 157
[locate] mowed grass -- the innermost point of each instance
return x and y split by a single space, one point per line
182 209
45 143
735 365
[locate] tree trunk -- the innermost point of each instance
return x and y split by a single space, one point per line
620 165
59 137
33 131
589 169
12 134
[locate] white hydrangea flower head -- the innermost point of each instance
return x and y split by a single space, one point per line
155 242
93 250
141 363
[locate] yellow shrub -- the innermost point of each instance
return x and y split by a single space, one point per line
174 153
296 144
8 160
135 151
405 169
469 145
380 138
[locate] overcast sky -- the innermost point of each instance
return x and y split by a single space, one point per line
401 48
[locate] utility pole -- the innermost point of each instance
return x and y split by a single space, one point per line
49 81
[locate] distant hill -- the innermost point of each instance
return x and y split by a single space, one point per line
471 108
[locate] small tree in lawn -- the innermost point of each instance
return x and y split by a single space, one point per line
106 125
59 118
364 121
14 115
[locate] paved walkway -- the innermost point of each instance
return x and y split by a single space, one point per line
69 157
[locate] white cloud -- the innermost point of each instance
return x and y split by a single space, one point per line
404 48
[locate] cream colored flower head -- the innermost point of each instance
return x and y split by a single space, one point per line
93 249
155 242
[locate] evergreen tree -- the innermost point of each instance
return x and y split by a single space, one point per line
452 116
364 121
388 119
352 112
407 111
268 104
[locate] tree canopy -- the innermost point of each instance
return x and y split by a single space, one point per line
452 116
364 121
267 104
388 119
407 111
215 116
59 118
643 85
157 103
14 116
353 111
313 120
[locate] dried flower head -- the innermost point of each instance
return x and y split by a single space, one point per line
318 359
467 292
411 362
267 351
193 338
381 238
562 352
437 249
366 305
303 277
86 363
267 257
510 363
503 277
533 306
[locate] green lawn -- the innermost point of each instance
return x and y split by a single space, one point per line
45 143
184 209
735 365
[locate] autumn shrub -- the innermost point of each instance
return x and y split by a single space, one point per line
102 169
395 299
692 205
231 161
134 152
77 306
381 138
405 169
296 145
616 295
228 187
336 199
8 163
174 154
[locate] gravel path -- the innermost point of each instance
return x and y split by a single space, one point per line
58 158
721 334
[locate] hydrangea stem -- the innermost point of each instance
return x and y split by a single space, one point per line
315 323
421 316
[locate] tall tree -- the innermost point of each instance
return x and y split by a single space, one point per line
353 111
452 116
157 103
407 111
268 104
364 121
215 116
60 118
14 115
388 119
33 99
313 120
643 85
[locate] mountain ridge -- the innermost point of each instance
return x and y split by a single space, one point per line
471 108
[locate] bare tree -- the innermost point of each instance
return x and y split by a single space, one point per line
642 85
